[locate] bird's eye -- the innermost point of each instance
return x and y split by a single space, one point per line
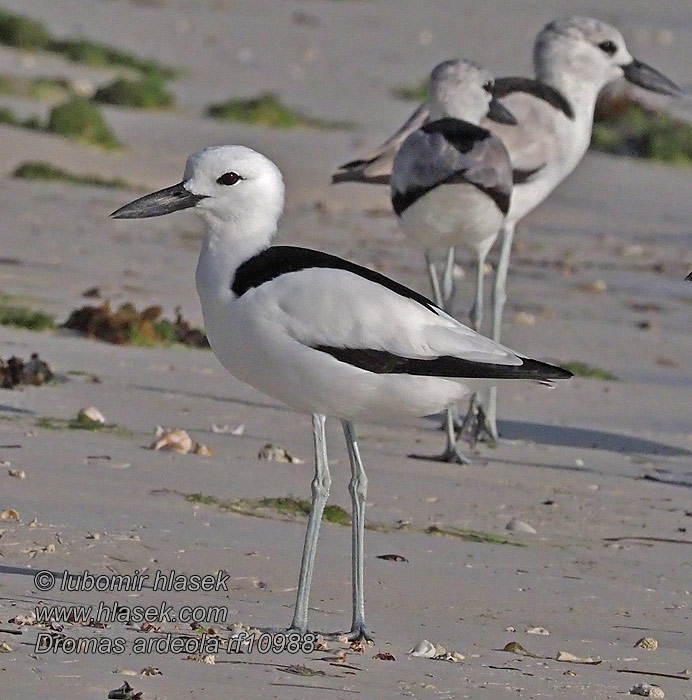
488 87
229 178
608 47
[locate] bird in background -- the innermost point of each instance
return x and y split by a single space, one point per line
451 184
319 333
574 59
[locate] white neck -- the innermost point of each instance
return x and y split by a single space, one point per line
227 245
580 93
465 109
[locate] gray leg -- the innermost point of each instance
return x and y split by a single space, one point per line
358 488
444 298
448 286
434 281
499 289
320 493
452 452
477 308
499 299
476 423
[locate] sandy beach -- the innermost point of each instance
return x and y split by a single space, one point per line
600 468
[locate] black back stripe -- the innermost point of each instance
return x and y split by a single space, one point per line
500 196
282 259
463 137
384 362
460 134
401 201
519 177
506 86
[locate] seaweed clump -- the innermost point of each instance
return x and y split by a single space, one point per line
127 326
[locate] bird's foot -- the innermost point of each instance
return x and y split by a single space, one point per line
451 455
457 421
478 427
359 633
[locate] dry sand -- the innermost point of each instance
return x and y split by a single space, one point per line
585 463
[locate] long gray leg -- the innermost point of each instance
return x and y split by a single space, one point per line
477 308
451 421
476 422
320 493
452 452
500 286
434 281
358 488
499 299
448 286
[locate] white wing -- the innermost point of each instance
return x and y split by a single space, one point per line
376 165
337 308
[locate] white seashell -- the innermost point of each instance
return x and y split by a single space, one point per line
571 658
93 414
273 453
648 643
451 656
173 440
202 450
537 630
647 691
424 648
515 525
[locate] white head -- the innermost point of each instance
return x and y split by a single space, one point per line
463 90
225 185
583 52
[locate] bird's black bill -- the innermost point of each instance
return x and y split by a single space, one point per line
650 79
499 113
689 277
158 203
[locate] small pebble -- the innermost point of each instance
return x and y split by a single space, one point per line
595 287
523 318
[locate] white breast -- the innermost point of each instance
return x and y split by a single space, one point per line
453 215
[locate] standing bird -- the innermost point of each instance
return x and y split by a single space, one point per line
319 333
451 183
574 58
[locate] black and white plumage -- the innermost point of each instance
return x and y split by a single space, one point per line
574 58
451 185
321 334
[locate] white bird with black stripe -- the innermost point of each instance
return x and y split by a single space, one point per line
574 58
451 185
319 333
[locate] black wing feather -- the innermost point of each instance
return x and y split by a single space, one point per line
384 362
506 86
281 259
